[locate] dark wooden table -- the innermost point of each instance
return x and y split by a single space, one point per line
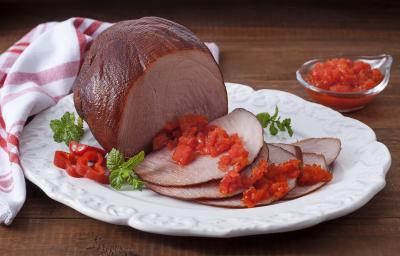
261 46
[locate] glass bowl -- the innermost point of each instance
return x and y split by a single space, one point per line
347 101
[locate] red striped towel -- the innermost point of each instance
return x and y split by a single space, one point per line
35 73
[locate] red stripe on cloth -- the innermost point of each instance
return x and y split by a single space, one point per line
14 158
3 144
62 71
17 51
78 22
92 28
82 43
22 44
10 60
12 96
2 123
11 138
3 77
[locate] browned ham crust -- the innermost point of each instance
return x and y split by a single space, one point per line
139 74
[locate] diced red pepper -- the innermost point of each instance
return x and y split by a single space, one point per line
183 155
66 161
71 170
79 149
61 158
83 161
96 171
191 136
312 174
344 75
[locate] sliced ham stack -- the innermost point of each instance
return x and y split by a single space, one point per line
158 167
308 158
139 74
199 181
277 155
209 190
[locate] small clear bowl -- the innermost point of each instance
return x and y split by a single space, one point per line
347 101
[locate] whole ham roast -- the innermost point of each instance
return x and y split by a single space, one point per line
139 74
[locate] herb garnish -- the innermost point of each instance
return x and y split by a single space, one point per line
65 129
274 122
122 171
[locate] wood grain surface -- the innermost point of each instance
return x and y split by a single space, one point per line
262 46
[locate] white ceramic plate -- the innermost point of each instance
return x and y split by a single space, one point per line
359 173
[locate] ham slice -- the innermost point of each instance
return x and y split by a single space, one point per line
158 167
308 158
328 147
277 155
139 74
209 190
294 150
233 202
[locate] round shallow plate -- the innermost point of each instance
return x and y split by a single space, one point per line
359 173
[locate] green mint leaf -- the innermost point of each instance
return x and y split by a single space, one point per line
275 123
273 130
134 161
264 119
65 129
55 126
273 118
116 180
135 182
288 126
290 131
280 125
125 173
114 159
122 172
286 121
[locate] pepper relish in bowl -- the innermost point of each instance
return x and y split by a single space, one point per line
345 83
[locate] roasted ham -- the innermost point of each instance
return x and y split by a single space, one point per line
139 74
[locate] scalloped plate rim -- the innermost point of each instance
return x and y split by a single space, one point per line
162 228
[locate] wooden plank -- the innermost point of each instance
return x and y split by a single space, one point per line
376 236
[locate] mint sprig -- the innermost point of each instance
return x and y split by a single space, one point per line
65 129
122 172
274 122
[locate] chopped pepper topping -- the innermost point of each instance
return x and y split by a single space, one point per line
191 136
344 75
